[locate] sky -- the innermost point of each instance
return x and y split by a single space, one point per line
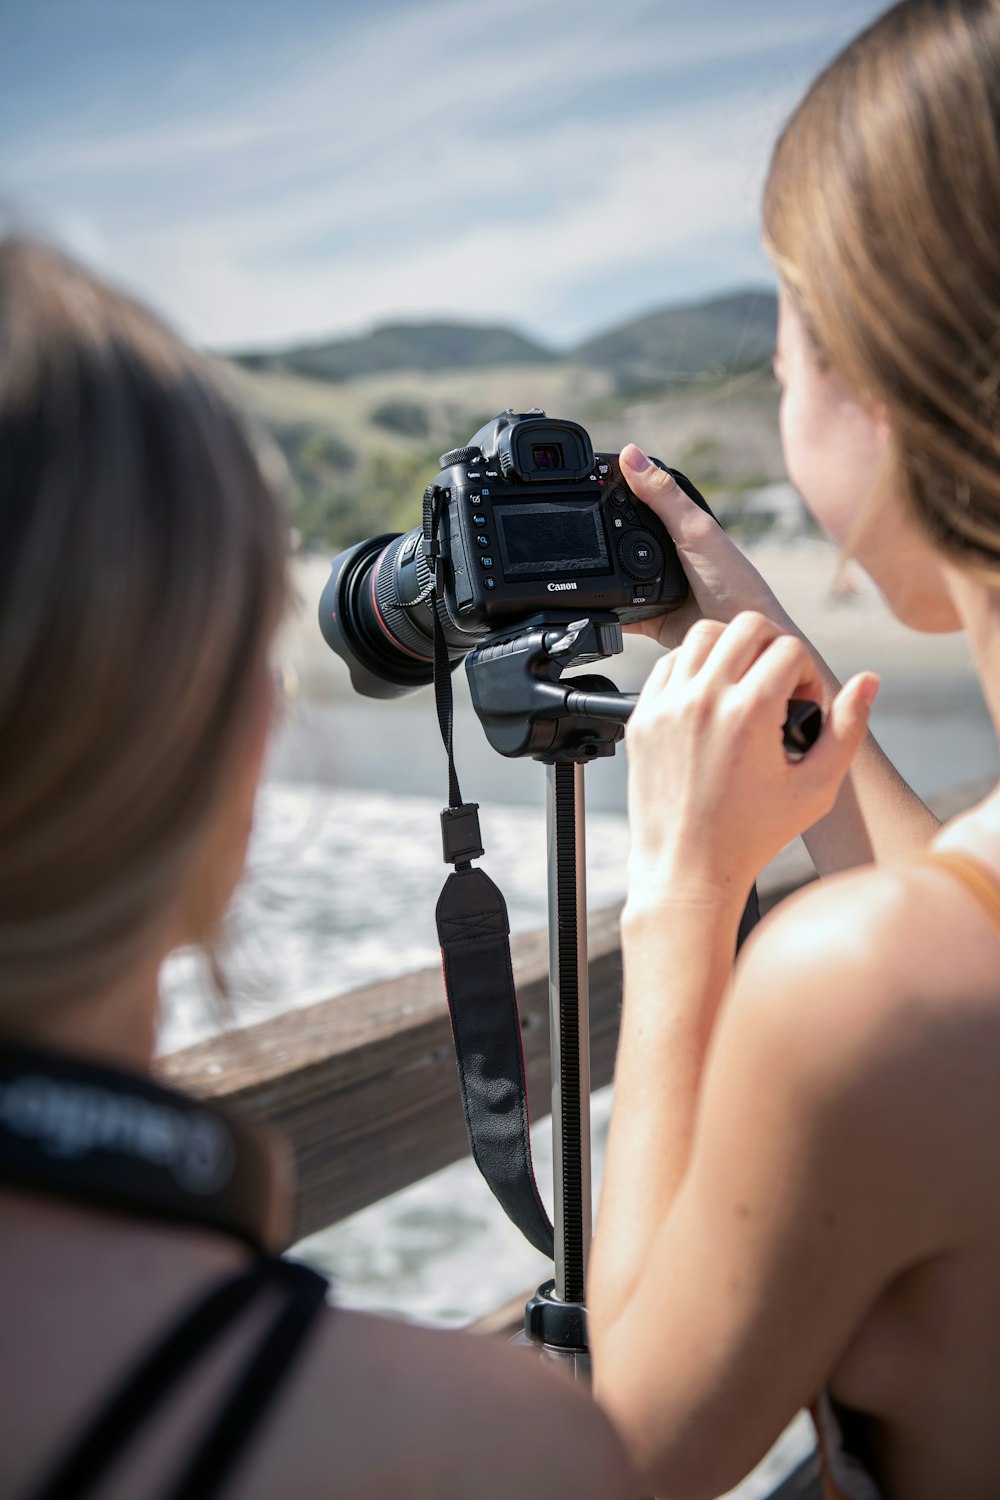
274 171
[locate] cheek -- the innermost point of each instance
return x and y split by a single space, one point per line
834 459
822 467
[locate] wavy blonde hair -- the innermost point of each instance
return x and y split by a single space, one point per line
882 215
143 568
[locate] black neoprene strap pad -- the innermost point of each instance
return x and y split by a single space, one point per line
117 1140
475 952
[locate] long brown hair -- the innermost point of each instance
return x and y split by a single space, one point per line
143 567
882 214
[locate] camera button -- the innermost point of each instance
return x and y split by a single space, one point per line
640 556
485 561
489 583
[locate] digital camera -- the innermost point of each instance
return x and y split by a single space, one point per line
528 521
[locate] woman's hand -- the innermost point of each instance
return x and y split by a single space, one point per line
713 794
721 580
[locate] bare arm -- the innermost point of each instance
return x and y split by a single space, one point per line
745 1228
712 795
877 816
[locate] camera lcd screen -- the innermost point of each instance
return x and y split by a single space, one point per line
541 538
547 456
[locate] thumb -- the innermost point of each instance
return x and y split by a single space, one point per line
846 727
686 522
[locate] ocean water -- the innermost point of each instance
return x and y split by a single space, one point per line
340 891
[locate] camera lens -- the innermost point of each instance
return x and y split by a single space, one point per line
376 613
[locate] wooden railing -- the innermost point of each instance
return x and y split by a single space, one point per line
363 1086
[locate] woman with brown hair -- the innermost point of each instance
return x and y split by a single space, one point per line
154 1343
802 1200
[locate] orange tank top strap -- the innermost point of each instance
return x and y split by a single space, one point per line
979 880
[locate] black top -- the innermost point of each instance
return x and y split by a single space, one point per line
116 1140
226 1434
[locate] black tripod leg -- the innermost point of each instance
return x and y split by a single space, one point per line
570 1020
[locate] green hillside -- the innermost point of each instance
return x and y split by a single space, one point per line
690 384
404 346
723 336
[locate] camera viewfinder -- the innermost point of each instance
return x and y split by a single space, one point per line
547 456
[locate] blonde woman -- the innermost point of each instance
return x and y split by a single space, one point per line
154 1343
802 1202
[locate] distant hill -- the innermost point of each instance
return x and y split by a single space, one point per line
405 346
716 337
723 335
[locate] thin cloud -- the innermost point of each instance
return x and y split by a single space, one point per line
476 159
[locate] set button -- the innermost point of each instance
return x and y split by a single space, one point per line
640 555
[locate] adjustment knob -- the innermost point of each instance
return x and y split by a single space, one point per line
461 456
641 555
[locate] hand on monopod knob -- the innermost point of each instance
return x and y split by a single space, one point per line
801 729
802 726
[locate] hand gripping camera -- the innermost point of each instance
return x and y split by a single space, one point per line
528 521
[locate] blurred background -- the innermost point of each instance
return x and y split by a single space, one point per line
388 222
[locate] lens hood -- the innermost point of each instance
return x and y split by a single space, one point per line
345 610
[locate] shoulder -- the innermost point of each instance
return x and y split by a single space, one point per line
871 1002
860 955
381 1408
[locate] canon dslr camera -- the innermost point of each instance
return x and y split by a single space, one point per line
528 520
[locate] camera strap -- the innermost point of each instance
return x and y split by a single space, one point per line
474 934
75 1128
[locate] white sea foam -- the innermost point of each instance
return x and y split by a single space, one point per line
340 892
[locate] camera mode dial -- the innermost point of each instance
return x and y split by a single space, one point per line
641 555
461 456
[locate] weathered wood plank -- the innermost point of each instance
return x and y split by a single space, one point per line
363 1086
